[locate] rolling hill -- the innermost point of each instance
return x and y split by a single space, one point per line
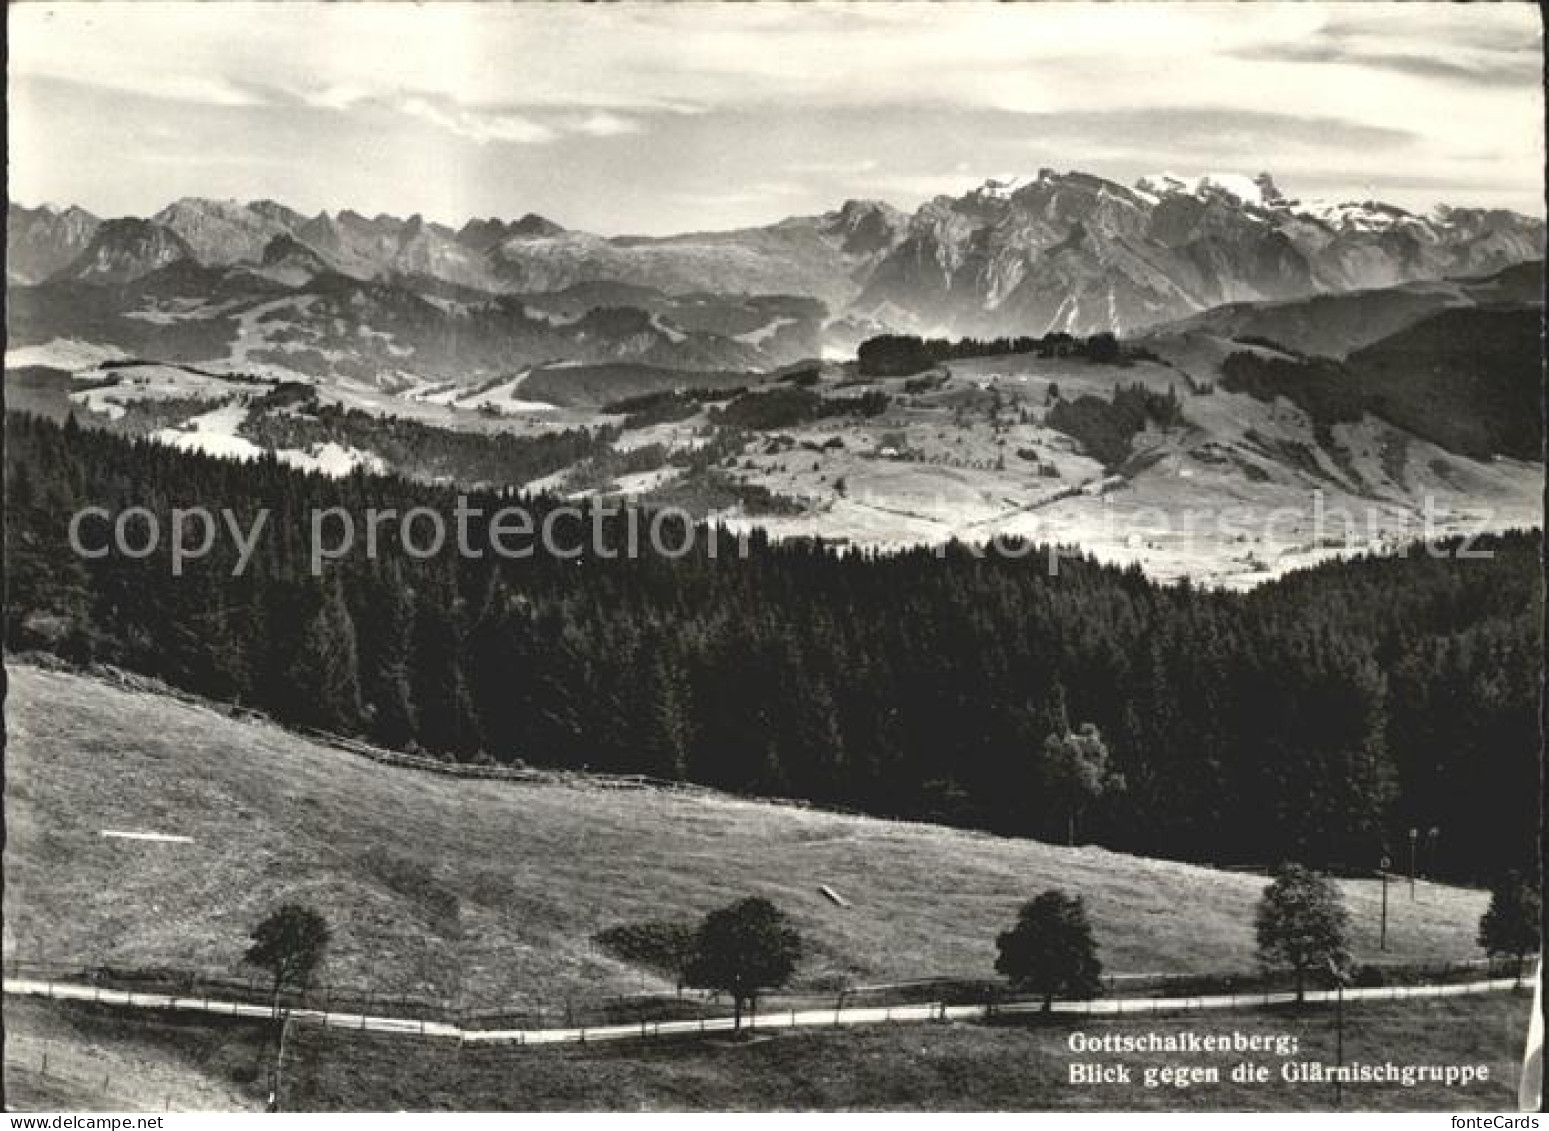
490 891
1469 380
279 320
1334 325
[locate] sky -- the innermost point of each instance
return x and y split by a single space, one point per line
653 118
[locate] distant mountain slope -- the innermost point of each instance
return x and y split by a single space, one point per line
1468 380
287 260
222 232
1059 251
1333 325
1078 253
293 317
818 256
41 241
123 250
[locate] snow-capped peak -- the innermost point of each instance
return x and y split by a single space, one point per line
1354 215
1259 191
1001 188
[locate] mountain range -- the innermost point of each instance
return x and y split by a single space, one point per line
1057 251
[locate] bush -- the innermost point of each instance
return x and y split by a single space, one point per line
661 945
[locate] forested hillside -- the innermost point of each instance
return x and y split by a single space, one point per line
1318 717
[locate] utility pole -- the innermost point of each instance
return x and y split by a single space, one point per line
1339 1033
1414 837
279 1063
1433 837
1382 870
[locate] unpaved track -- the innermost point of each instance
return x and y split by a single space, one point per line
789 1019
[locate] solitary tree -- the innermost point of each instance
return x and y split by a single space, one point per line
1302 924
1075 771
1050 950
1511 924
741 950
289 944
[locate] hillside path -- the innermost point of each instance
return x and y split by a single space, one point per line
785 1019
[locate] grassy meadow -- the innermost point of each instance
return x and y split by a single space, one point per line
483 893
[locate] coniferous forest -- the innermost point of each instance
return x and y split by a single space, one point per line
1316 718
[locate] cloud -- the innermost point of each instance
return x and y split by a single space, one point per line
1208 129
170 86
600 123
912 187
333 97
838 168
1481 71
482 125
1449 43
478 126
759 192
635 104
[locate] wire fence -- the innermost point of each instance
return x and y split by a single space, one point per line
1017 1011
698 1011
50 1071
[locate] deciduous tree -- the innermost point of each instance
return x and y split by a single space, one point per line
290 945
1050 951
1302 924
742 950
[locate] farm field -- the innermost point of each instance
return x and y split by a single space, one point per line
1237 492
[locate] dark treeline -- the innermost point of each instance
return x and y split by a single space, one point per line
420 450
1316 718
900 355
1106 428
788 406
